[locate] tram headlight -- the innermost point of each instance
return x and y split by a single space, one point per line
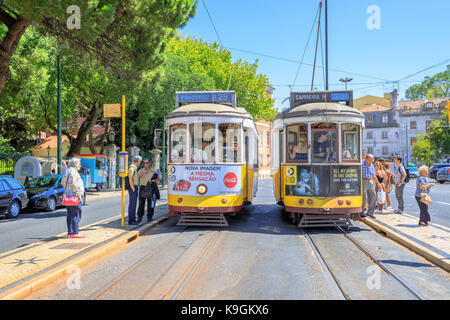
349 202
180 200
224 200
340 202
309 201
301 201
201 189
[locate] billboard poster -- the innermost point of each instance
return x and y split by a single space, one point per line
214 179
323 181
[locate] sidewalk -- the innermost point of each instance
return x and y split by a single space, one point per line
28 268
431 242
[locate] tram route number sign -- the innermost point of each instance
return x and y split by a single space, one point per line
323 181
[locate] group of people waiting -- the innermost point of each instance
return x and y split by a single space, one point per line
379 179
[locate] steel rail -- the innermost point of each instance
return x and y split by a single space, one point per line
326 267
131 268
382 265
191 268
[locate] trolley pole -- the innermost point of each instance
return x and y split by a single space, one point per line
326 44
126 164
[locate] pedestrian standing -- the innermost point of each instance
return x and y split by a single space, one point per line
144 175
153 196
133 191
369 182
422 186
73 187
380 189
400 176
390 182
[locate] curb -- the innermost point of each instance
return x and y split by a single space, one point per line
417 248
35 283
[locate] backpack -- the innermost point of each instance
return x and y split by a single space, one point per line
407 176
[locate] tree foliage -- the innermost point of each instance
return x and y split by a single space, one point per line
435 87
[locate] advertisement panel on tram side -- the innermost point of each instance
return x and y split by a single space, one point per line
323 181
217 180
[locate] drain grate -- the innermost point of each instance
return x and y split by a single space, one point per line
71 246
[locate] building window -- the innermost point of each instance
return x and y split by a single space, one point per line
385 150
370 150
370 118
412 125
413 141
385 118
384 135
369 135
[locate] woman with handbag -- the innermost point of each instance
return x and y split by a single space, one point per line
422 195
381 194
73 197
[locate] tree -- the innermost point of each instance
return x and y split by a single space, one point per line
126 35
423 150
435 87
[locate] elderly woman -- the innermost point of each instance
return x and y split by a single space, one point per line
73 187
422 186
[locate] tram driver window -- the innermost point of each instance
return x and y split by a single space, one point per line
350 142
202 142
297 142
324 142
229 143
177 143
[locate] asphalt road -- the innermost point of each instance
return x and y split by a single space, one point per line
259 256
440 208
33 226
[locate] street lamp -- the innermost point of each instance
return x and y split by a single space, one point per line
345 81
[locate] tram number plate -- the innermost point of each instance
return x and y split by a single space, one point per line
291 176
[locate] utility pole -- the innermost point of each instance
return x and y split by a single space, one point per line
59 143
326 44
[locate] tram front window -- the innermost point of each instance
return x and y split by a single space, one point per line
229 143
297 142
350 142
177 150
202 142
324 142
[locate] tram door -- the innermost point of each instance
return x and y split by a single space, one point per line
247 162
280 160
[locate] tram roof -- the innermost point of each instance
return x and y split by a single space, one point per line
319 109
213 109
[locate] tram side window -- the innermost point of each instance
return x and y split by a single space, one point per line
178 143
230 143
202 137
324 142
297 142
350 142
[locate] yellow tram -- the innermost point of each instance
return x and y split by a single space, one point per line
317 171
212 157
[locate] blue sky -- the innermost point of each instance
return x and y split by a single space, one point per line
413 35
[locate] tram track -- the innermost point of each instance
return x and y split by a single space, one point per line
175 288
333 276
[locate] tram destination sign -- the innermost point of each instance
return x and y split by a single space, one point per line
222 97
299 98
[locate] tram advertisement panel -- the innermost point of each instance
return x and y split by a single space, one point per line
323 181
216 180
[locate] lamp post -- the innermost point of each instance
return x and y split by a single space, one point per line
345 81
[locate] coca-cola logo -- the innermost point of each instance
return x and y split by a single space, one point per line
230 180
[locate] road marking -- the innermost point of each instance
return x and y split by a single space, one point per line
443 203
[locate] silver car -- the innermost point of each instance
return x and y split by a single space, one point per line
443 174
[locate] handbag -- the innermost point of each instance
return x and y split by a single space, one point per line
69 201
425 198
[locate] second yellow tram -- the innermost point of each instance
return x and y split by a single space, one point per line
317 169
212 157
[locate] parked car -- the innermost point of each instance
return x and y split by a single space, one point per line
435 167
46 192
13 197
443 175
413 172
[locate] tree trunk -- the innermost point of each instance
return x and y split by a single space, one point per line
16 28
85 128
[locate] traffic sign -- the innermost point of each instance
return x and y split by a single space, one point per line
111 110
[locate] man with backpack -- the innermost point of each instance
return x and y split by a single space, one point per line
400 177
132 186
